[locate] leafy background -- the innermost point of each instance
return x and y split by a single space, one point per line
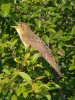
24 75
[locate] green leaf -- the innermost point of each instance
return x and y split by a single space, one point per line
26 56
46 39
35 57
39 66
5 80
5 9
19 90
25 76
38 23
14 97
1 49
3 45
51 30
5 36
13 77
25 94
39 77
48 96
35 87
61 44
47 72
53 86
13 42
6 71
17 59
72 67
44 86
73 30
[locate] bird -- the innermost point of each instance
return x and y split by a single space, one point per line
29 38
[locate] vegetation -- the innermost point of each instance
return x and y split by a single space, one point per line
24 75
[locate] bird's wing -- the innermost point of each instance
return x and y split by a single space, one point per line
43 49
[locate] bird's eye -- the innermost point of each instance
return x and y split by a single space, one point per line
21 25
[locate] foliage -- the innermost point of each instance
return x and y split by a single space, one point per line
23 73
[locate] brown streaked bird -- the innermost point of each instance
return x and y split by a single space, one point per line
29 38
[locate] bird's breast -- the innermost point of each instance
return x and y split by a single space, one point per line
24 40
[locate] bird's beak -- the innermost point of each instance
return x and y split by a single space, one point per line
16 24
13 26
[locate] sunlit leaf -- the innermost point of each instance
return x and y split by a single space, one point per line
46 39
19 90
38 22
6 71
14 97
35 87
13 77
39 77
73 30
25 94
5 9
16 59
25 76
26 56
48 96
72 67
44 86
61 44
35 57
5 80
51 30
39 66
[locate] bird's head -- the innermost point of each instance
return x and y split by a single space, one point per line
21 27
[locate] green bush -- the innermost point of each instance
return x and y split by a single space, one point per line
23 73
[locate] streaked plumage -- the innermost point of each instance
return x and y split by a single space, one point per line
29 38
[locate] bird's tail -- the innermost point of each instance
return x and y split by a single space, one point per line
52 61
